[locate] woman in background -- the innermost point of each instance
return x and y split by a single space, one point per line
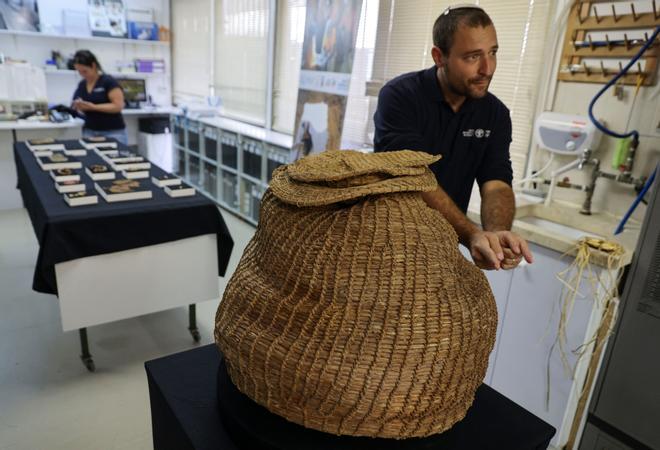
100 98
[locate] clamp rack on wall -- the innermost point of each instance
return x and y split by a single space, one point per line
578 45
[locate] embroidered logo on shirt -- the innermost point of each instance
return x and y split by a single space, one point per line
99 89
478 133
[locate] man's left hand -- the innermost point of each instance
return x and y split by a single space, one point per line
515 248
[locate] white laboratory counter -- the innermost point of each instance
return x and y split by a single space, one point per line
38 124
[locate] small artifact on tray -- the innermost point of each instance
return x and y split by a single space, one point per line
135 173
69 186
122 189
180 190
81 198
64 175
58 161
165 180
42 141
99 172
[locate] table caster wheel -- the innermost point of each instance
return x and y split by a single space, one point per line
195 335
89 364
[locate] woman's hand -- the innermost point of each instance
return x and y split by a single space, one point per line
82 105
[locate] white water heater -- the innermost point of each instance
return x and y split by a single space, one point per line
566 134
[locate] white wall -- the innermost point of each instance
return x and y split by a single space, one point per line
574 98
644 116
50 11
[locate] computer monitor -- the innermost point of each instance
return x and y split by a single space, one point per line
135 91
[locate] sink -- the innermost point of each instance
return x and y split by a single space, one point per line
556 227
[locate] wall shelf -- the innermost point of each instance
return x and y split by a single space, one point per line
84 38
66 72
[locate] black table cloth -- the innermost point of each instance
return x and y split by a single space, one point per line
66 233
194 405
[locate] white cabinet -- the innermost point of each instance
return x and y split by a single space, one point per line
500 282
527 365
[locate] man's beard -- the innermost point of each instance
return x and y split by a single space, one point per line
464 90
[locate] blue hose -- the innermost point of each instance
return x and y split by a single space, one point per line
633 133
600 126
639 198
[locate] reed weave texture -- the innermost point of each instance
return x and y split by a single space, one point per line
352 310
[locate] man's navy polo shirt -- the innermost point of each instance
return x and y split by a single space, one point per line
474 142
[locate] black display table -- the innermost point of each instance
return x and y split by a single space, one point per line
68 233
186 414
65 233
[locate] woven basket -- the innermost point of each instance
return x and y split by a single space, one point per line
352 310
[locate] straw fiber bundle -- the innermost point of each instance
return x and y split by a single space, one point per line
352 310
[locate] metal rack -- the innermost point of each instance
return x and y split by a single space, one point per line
230 168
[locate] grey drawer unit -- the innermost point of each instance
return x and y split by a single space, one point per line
229 149
228 167
193 140
275 157
178 131
252 152
211 143
229 196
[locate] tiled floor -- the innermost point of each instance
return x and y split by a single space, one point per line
48 400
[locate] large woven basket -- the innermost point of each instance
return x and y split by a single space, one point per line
352 310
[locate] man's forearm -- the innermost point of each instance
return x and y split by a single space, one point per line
440 201
498 206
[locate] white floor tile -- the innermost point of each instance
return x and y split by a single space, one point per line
48 400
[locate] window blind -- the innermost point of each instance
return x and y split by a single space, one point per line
190 49
288 52
241 54
358 114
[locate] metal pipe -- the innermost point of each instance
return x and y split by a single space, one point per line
586 206
632 150
556 173
567 184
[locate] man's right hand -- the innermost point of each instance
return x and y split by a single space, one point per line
486 251
494 250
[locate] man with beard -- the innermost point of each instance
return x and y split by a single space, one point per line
448 110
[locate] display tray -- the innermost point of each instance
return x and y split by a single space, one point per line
81 198
180 190
122 189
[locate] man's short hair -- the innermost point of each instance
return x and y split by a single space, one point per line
447 23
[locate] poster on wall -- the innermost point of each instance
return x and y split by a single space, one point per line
19 15
325 74
107 18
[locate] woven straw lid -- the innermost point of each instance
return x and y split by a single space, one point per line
340 175
357 318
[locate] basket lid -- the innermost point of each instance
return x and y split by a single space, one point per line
334 176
